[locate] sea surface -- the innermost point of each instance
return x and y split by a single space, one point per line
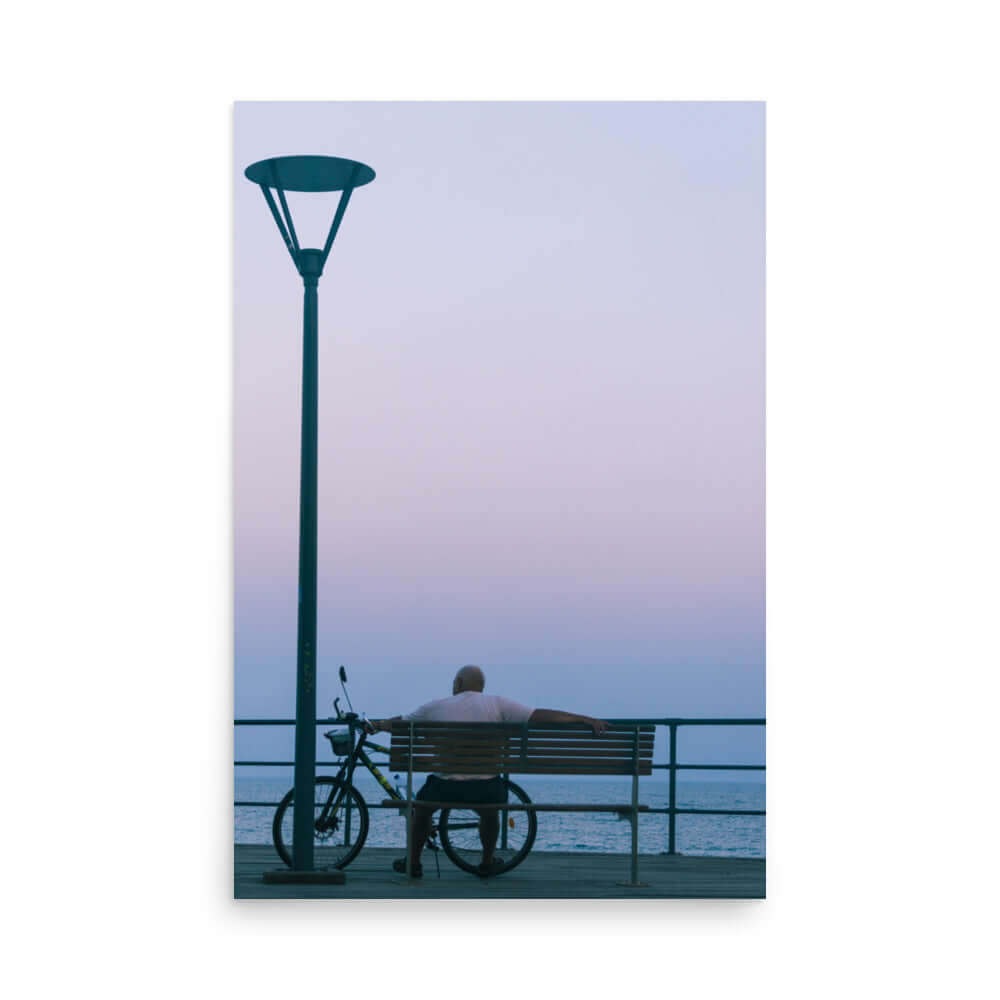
722 836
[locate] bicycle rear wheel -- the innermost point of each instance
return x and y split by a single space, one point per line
459 829
340 824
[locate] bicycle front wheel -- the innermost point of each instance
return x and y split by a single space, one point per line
340 824
459 829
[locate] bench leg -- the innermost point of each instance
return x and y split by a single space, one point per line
634 869
635 846
409 811
409 836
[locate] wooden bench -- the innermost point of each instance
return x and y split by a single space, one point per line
487 749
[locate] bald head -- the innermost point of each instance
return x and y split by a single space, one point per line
469 678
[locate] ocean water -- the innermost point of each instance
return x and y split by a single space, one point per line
723 836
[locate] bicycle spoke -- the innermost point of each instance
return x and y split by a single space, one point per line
339 826
461 840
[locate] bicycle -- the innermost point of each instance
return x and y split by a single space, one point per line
341 821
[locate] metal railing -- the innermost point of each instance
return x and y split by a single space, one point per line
671 810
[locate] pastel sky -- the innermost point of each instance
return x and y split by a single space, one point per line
541 412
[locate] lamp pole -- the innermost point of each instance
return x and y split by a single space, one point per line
307 173
305 666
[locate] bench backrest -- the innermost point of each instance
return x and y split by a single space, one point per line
533 748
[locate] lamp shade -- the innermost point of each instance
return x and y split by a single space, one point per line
309 173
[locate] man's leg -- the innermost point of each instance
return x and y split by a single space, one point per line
422 817
489 831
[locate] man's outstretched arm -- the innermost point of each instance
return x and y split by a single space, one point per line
553 715
383 725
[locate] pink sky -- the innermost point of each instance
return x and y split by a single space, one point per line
541 407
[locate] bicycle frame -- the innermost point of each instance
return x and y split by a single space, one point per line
358 755
345 774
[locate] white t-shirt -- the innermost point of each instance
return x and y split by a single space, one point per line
470 706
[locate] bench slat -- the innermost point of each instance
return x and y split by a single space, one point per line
491 770
543 768
450 762
525 806
535 739
458 751
503 729
487 730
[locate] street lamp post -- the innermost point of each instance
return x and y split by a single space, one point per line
307 173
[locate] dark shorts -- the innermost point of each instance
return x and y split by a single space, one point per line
472 791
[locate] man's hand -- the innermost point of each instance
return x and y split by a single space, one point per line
383 725
372 726
599 726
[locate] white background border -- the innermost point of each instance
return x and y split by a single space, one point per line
882 494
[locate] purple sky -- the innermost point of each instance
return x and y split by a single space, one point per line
541 407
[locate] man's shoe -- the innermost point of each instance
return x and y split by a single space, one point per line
399 865
493 867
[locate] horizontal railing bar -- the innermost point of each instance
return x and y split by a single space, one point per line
712 767
290 763
706 722
291 722
370 805
666 810
582 808
613 722
717 812
658 767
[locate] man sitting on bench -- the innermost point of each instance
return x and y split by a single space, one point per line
468 704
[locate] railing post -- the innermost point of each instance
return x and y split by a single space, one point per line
347 810
409 809
635 808
672 801
504 814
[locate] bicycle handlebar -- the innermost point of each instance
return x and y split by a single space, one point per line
351 716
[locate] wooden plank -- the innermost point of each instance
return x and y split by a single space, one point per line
401 730
285 875
430 730
543 875
457 760
453 760
587 741
533 753
596 747
463 736
531 750
624 768
622 746
485 730
526 806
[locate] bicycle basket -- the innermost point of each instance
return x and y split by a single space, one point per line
340 740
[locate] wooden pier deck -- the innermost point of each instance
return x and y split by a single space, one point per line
542 875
